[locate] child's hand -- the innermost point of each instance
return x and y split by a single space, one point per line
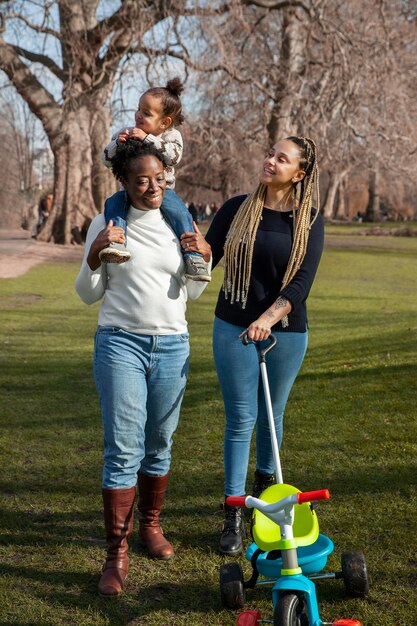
138 134
123 136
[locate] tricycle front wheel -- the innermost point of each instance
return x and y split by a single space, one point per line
291 610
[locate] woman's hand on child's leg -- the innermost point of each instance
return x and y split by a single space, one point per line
195 242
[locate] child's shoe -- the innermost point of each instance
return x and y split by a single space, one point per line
114 253
196 268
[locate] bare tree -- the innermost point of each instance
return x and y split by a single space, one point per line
339 72
81 52
19 176
372 127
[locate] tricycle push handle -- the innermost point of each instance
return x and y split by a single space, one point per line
261 352
312 496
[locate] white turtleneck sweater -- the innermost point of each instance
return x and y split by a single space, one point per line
147 294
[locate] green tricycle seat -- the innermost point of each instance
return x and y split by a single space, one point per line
266 534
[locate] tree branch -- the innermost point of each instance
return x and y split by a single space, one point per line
39 100
277 6
32 25
120 18
42 59
200 68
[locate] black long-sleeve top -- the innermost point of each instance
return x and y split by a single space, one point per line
271 254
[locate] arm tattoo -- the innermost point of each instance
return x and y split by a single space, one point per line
280 302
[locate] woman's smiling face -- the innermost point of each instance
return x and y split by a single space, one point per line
282 165
145 182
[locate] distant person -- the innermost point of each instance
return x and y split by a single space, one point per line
159 111
193 211
272 241
141 355
44 210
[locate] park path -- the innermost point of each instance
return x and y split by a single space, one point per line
19 252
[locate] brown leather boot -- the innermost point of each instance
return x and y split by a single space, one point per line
118 520
151 499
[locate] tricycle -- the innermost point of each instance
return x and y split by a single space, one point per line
288 551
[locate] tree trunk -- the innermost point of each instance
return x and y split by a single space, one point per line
341 204
335 186
373 210
75 178
283 119
103 182
225 180
329 202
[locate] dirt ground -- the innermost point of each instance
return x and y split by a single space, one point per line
19 253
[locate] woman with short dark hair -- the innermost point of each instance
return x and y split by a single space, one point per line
140 355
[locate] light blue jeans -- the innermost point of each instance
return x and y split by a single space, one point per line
238 371
140 380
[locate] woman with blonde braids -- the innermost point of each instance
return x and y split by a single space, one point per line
272 241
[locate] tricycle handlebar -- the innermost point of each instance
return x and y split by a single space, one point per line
296 498
312 496
236 500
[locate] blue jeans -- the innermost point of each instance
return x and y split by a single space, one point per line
173 209
140 381
238 371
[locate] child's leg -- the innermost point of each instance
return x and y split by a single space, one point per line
177 215
179 218
115 208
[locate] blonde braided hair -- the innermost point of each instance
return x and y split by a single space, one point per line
240 240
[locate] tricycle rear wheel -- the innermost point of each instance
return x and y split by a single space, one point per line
231 586
291 610
355 574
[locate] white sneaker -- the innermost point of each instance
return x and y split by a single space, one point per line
196 268
114 253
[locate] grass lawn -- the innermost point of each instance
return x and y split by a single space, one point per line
350 426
